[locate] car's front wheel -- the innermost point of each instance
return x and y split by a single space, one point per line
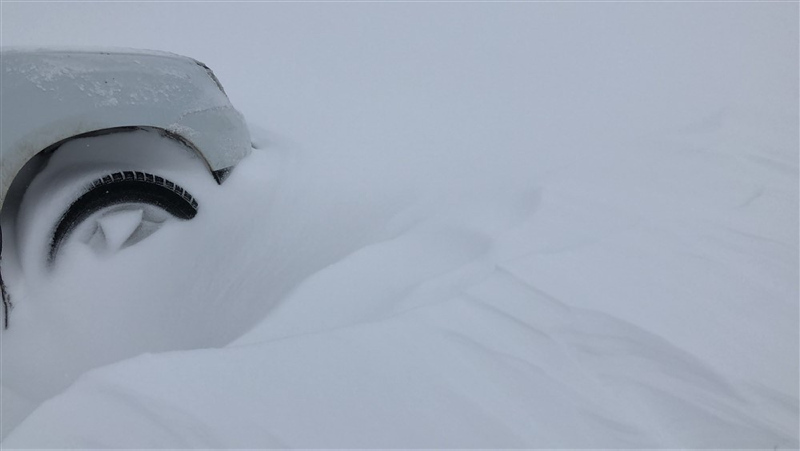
104 193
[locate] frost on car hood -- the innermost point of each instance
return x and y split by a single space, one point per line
52 95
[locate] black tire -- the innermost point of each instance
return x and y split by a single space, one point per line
120 188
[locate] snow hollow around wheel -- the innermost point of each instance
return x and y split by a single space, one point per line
453 268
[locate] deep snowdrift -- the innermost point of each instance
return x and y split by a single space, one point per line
430 250
480 321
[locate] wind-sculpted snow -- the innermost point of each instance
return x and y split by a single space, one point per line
463 226
497 364
488 321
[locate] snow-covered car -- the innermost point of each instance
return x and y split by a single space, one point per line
87 135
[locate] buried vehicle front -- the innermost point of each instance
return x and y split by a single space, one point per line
89 137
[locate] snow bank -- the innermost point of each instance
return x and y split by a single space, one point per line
515 320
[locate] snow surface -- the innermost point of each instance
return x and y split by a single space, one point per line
465 225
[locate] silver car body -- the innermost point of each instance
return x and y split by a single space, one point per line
50 96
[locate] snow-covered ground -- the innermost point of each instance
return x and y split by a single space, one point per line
465 225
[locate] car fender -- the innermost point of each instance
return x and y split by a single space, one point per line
50 96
